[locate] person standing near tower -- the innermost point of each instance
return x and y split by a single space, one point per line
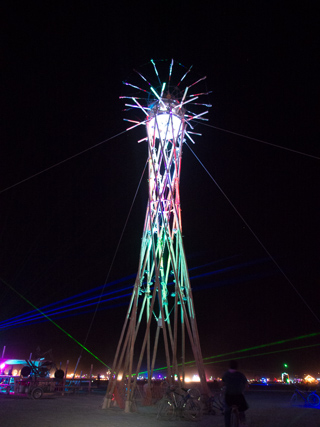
235 383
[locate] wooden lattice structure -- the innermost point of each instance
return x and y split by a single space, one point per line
161 314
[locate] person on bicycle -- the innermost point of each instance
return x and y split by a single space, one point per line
234 383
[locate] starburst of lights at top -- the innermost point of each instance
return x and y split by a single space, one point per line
163 100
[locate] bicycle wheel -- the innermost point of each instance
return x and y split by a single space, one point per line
294 399
194 393
313 399
234 420
166 410
192 410
217 403
211 406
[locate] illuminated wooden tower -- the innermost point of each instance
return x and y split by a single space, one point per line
161 313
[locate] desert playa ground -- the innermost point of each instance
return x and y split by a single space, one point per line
267 409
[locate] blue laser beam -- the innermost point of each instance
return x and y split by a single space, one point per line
67 308
74 297
76 304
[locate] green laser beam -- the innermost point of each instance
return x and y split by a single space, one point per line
314 334
54 323
187 363
266 353
192 362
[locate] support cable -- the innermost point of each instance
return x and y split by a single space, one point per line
102 291
255 236
54 323
114 257
259 140
121 133
61 162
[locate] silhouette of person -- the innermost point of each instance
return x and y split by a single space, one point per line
235 383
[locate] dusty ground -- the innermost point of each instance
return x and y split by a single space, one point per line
267 409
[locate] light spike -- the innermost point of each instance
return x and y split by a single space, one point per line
170 70
198 116
203 105
202 78
186 102
141 107
162 89
190 137
184 95
128 97
155 69
132 121
142 77
203 93
184 75
132 106
135 87
132 127
195 133
143 139
155 93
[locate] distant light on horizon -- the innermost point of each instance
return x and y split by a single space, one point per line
309 379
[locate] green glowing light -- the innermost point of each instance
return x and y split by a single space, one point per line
54 323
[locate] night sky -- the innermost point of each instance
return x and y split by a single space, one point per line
63 64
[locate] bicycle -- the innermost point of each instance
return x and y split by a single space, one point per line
184 405
237 418
308 398
234 419
213 403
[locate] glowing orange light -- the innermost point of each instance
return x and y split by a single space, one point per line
309 379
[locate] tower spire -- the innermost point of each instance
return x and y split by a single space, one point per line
161 321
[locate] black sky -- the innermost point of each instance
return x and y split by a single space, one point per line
63 67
